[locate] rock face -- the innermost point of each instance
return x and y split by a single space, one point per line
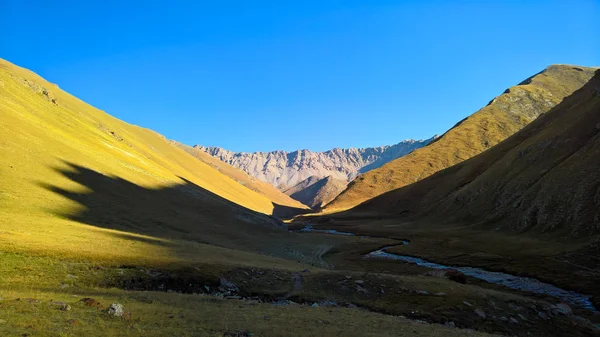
501 118
315 192
286 169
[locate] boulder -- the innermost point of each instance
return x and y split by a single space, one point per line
115 309
61 305
562 309
226 285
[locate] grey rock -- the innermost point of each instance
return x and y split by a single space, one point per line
286 169
282 303
359 282
450 324
522 317
543 315
422 292
115 309
514 306
233 297
440 294
360 289
467 304
226 285
315 305
563 309
61 306
513 321
480 313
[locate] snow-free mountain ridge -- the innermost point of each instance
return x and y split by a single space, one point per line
286 169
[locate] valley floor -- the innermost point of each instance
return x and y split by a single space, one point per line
352 296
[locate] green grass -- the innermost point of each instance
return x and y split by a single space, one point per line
163 313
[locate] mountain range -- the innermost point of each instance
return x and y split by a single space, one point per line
196 240
286 170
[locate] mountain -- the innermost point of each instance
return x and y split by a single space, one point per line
285 169
502 117
88 176
316 192
245 179
97 213
545 178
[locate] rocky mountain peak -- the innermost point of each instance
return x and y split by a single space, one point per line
285 169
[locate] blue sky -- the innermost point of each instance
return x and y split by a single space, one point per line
266 75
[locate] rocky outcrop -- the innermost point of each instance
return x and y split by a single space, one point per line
315 192
286 169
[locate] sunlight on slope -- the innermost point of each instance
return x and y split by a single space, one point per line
46 133
502 117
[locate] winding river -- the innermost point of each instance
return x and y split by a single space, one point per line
511 281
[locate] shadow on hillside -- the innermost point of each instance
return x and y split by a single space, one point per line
176 212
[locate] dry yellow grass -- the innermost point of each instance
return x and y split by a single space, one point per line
264 188
89 201
76 181
504 116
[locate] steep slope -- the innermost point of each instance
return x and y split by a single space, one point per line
69 170
315 192
545 178
502 117
243 178
285 169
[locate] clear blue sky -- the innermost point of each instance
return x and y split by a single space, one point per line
266 75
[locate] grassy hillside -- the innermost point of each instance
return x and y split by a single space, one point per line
502 117
317 192
530 205
545 178
71 174
92 207
258 186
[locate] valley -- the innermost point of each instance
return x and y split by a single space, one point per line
482 240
